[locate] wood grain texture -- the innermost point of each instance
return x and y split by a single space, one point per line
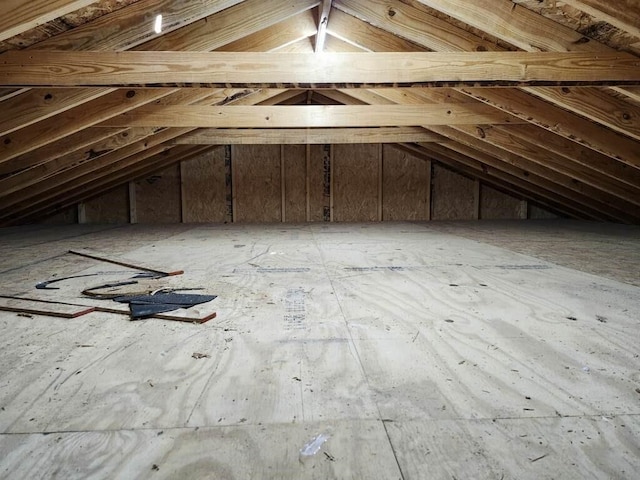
496 205
220 69
406 185
355 172
309 116
279 136
204 188
257 187
158 197
295 174
320 173
56 128
415 346
111 207
452 196
18 17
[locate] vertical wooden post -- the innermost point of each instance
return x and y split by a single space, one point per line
429 188
82 213
133 211
229 153
524 210
476 199
283 188
331 175
307 186
183 206
380 173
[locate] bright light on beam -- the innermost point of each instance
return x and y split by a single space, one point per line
158 25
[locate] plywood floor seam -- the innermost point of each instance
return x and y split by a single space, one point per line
423 350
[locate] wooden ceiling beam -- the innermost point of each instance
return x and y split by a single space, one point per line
18 16
290 70
233 24
296 136
424 29
309 116
524 28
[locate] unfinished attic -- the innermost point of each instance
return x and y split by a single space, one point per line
364 239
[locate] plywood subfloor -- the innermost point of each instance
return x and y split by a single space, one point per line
420 351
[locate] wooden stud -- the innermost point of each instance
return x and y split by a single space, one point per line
308 181
428 189
283 187
82 213
477 192
133 209
331 183
234 182
183 206
380 166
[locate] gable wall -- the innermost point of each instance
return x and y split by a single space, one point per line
298 183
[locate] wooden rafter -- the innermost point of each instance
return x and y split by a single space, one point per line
18 16
623 14
274 70
437 34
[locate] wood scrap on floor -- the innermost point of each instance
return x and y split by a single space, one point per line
100 258
50 309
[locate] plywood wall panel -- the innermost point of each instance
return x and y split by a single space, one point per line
495 205
319 183
452 195
112 207
539 213
405 185
355 183
158 197
66 217
257 184
295 182
204 188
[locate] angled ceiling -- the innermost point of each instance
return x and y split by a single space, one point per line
568 141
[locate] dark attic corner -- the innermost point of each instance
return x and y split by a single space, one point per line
319 239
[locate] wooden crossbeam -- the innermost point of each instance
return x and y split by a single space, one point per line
297 136
295 116
301 70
